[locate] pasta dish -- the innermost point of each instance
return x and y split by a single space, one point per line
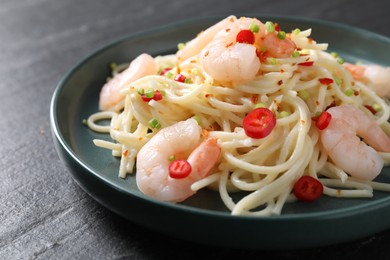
247 107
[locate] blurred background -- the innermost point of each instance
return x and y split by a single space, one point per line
43 212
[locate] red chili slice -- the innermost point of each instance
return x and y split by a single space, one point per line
179 169
308 188
259 123
306 64
146 99
325 81
323 120
164 71
157 95
372 110
180 78
245 36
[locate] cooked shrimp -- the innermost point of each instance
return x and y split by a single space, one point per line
143 65
376 77
229 61
179 140
341 140
194 46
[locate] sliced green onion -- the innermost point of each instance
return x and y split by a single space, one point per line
149 93
272 61
296 54
281 35
296 31
181 45
254 27
198 119
113 65
171 158
154 124
169 75
340 60
334 54
270 27
317 114
284 114
349 92
85 122
140 91
377 107
163 93
338 80
304 94
187 80
258 105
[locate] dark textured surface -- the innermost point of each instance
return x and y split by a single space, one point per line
43 213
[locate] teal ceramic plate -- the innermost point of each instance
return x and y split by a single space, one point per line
203 218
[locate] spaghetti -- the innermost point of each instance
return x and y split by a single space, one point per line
295 88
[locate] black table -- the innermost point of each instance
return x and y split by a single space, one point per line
44 214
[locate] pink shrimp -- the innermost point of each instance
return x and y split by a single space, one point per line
377 77
179 140
340 139
143 65
229 61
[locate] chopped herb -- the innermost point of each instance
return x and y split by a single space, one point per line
187 80
171 158
334 54
270 27
284 114
85 122
113 65
281 35
154 124
338 80
181 46
149 93
169 75
349 92
340 60
304 94
272 61
377 107
198 119
296 31
140 91
296 54
254 27
259 105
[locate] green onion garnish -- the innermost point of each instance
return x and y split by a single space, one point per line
338 80
181 45
254 27
149 93
340 60
377 107
140 91
281 35
349 92
154 124
304 94
296 54
270 27
272 61
259 105
198 119
284 114
296 31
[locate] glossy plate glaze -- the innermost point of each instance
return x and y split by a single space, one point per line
203 218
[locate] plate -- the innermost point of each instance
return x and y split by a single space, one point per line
203 218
